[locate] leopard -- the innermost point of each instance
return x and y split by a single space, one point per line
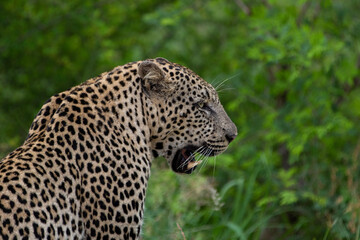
83 170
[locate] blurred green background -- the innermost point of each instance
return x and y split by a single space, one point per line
289 75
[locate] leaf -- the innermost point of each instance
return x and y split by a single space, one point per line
288 197
237 230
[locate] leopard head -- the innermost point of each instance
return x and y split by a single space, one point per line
185 115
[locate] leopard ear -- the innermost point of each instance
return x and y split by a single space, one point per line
153 79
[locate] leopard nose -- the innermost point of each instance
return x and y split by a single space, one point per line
230 137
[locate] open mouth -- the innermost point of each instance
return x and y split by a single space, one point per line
184 160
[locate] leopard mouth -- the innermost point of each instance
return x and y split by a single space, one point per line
184 160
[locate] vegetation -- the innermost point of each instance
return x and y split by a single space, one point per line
287 72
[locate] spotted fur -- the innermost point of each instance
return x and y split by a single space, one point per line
82 172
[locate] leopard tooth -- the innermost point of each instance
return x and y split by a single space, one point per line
193 164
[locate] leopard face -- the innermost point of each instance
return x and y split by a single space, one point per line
186 118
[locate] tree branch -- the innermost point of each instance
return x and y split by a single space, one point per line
302 13
243 7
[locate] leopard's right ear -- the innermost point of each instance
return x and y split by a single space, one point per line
153 79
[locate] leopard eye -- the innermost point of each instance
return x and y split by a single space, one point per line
203 106
199 104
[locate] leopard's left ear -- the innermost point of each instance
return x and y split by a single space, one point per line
153 80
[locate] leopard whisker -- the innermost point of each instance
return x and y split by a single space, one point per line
225 89
191 156
224 81
214 166
206 158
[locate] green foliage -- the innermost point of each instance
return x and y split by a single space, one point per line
288 75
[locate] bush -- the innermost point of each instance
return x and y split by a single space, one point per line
287 73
